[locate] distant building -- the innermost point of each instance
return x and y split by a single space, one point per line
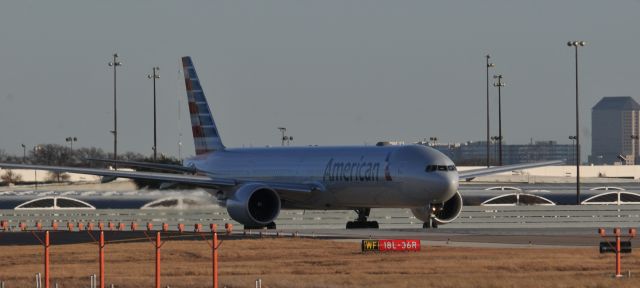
474 153
614 131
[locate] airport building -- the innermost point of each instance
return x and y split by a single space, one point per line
474 153
614 126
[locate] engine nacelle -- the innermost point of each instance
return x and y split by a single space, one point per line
254 205
445 213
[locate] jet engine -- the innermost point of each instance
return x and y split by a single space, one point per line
254 205
444 212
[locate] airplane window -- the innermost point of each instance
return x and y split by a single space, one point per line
431 168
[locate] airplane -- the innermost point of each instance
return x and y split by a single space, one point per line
256 183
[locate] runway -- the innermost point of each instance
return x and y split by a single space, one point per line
497 226
481 237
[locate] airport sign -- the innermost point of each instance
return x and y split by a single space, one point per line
390 245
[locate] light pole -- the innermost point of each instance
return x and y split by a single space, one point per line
24 153
633 148
577 44
154 76
489 65
499 84
36 151
494 139
285 138
71 140
115 65
573 142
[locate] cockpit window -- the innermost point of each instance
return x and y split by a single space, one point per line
432 168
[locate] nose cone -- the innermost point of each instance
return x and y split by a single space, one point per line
447 186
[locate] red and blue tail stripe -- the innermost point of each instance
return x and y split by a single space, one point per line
205 133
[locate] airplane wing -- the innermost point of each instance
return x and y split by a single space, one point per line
465 175
195 180
159 166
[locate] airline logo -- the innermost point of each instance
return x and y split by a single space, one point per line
355 171
360 170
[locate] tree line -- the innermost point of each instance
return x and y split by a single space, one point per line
60 155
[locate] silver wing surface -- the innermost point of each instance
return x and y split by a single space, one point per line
195 180
462 175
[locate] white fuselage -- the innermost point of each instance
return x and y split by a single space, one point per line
352 177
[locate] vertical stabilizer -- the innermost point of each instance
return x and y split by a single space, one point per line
205 133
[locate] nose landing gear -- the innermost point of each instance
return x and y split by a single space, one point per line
431 221
362 222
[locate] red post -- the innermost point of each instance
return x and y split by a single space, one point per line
158 244
46 259
215 258
616 232
101 245
618 248
618 274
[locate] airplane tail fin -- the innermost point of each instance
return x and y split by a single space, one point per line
205 133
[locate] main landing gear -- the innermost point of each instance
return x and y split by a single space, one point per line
362 222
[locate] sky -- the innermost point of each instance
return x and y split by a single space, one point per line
333 72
